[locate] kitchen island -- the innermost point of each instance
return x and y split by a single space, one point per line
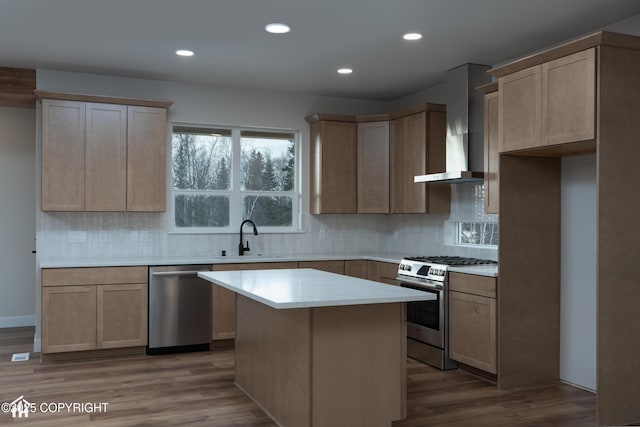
320 349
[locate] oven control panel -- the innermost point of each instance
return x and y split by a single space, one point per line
421 270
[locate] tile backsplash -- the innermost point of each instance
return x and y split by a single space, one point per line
80 236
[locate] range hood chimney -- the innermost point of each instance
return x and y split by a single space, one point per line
465 126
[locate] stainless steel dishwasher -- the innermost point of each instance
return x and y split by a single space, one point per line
179 309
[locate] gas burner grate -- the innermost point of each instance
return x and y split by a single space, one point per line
452 260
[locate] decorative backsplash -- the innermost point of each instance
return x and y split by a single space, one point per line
116 236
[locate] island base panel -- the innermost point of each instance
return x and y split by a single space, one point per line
323 366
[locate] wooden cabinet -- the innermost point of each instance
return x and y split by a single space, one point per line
491 154
93 308
529 309
68 318
569 98
146 159
63 155
548 104
223 301
121 315
105 157
373 165
330 266
356 268
333 164
472 321
418 147
102 156
384 272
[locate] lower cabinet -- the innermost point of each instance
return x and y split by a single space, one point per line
93 308
356 268
223 301
330 266
472 321
385 272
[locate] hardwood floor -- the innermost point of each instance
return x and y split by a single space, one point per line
197 389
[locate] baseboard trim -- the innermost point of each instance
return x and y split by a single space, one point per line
17 321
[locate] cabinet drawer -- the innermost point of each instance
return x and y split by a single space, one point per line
330 266
473 284
93 276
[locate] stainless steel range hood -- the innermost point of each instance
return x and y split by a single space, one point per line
465 126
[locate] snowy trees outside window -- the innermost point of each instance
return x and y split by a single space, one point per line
223 176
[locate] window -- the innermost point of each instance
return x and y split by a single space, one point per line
477 233
223 176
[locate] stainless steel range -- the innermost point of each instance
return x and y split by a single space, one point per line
428 321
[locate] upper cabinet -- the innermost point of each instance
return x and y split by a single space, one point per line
418 147
146 159
491 148
333 164
373 164
549 104
103 156
63 155
366 164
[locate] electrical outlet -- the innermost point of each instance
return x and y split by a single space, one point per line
77 236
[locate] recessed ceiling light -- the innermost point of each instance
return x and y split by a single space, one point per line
412 36
277 28
184 52
345 71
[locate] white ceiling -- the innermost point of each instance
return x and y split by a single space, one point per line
137 38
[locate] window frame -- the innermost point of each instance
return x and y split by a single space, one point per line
458 234
235 194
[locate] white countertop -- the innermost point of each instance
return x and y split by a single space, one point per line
305 287
479 270
120 262
491 271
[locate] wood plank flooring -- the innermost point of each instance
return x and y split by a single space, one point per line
197 389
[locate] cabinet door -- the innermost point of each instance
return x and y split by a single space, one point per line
356 268
330 266
491 154
333 167
121 315
68 318
223 301
437 196
63 155
569 98
223 317
472 330
146 159
373 167
520 104
106 157
384 272
408 145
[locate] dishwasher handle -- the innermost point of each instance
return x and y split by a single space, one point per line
177 273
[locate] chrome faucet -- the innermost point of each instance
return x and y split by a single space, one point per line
241 247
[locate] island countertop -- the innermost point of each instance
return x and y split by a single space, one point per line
306 287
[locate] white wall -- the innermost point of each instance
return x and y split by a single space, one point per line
578 271
17 216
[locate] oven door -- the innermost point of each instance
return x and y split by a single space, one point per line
425 319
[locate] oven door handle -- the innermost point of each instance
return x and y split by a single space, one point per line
434 286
